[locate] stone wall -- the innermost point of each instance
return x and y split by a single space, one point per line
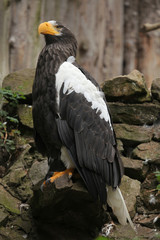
136 117
135 113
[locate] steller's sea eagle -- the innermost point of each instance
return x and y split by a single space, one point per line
72 123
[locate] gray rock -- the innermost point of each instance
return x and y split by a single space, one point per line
131 134
134 114
134 168
130 190
155 89
38 171
149 152
127 88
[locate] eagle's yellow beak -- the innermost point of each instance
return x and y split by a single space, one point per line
47 28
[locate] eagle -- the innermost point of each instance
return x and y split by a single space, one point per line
72 122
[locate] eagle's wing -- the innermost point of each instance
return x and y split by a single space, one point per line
85 128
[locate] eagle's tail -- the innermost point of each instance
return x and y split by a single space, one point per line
116 201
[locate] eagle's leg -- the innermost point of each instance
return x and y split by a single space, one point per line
56 175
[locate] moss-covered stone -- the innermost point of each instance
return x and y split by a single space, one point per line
22 224
10 203
24 191
127 88
21 81
16 176
25 115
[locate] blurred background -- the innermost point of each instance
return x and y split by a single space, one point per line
108 32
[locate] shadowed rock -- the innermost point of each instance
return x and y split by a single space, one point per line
65 210
135 114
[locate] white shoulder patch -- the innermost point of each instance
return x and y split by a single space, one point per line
74 80
71 59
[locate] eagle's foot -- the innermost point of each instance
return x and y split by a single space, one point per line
56 175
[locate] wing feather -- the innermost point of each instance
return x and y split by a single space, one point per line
90 139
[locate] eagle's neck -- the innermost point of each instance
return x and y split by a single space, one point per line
67 45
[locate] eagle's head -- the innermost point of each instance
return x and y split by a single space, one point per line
55 31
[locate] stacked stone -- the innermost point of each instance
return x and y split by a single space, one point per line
135 113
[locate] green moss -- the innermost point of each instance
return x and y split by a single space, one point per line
10 203
25 115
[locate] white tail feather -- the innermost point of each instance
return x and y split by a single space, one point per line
116 201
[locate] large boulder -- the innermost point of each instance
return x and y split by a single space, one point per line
127 88
21 81
65 210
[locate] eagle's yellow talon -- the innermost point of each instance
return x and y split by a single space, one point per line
60 174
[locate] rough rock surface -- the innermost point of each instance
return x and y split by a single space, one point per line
25 115
133 134
134 168
134 114
66 209
29 213
130 190
149 152
127 88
